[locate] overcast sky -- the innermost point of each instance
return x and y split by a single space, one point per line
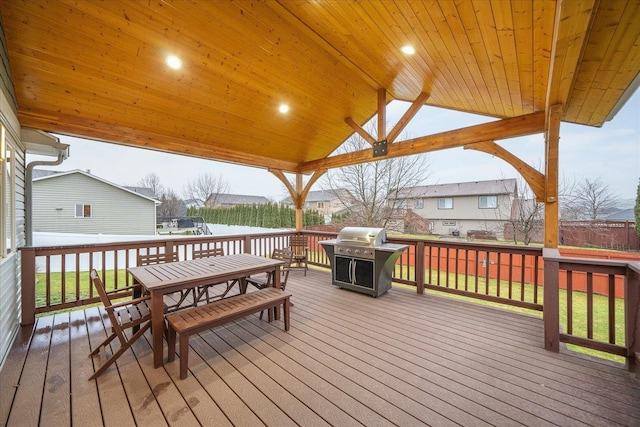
610 153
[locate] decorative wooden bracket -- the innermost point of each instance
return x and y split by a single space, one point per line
298 194
535 179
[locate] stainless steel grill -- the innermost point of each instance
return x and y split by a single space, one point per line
360 241
362 260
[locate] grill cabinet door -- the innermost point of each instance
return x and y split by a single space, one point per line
342 270
363 273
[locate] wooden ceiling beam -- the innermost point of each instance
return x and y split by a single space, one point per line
360 131
502 129
407 116
137 138
571 29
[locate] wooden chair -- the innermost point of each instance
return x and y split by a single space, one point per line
134 313
161 258
266 280
298 246
203 291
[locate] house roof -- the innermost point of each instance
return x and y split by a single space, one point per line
145 191
240 199
97 70
622 215
319 196
480 188
45 175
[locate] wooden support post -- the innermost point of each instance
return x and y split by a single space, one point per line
28 287
551 299
632 318
382 114
551 211
299 203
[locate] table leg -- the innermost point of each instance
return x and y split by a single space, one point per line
157 327
276 284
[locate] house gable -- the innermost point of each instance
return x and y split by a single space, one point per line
78 202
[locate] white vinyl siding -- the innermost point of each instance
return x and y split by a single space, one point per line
10 273
113 210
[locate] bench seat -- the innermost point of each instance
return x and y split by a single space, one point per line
197 319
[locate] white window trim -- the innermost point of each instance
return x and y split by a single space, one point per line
8 210
75 210
444 199
486 198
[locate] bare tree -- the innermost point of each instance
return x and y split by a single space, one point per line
374 186
171 205
589 199
206 188
527 215
152 181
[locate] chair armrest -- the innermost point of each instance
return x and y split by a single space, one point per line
128 302
126 288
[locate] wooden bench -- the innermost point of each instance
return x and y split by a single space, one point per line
197 319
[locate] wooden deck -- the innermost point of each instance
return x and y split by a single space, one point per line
349 359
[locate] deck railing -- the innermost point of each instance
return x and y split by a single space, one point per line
57 278
592 292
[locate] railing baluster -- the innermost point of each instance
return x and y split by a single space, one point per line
569 302
590 305
612 309
63 279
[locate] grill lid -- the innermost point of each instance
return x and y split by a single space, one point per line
362 236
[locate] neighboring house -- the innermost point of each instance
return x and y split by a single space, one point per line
456 209
621 215
193 203
326 202
78 202
231 200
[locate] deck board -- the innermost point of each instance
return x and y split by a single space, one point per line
349 359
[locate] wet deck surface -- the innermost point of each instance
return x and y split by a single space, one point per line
349 359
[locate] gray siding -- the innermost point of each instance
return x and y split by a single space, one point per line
113 210
10 298
466 214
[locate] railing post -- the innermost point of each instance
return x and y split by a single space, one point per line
551 310
419 267
247 244
632 318
28 285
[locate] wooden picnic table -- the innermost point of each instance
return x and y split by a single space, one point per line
162 279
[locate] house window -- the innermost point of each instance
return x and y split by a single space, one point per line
488 202
320 205
445 203
7 194
83 211
418 204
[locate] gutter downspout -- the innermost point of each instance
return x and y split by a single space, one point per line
28 197
40 143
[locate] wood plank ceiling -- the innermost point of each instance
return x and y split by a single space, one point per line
97 69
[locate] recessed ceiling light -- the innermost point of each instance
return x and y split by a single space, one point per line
408 49
284 108
174 62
